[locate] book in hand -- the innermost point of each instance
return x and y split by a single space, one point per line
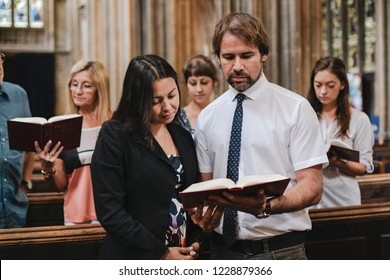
342 150
23 132
196 194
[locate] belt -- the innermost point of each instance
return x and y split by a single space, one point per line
255 247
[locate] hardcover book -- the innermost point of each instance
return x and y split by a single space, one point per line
196 194
23 132
342 150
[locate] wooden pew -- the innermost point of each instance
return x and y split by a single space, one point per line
379 166
55 242
340 233
374 188
45 203
350 233
45 209
381 154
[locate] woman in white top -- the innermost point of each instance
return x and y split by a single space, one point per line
329 96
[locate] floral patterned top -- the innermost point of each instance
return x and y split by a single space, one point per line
176 231
185 122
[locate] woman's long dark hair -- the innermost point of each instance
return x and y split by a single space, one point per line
134 111
343 114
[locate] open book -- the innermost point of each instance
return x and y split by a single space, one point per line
22 132
273 185
342 150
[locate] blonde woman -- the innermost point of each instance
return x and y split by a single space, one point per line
69 171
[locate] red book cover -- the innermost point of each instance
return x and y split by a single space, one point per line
23 132
196 194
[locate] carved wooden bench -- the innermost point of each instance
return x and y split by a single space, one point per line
52 242
45 209
352 232
374 188
345 233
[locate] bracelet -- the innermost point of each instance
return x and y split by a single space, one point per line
27 184
48 175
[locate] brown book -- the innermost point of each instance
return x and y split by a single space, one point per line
196 194
342 151
23 132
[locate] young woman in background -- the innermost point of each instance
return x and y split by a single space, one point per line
329 96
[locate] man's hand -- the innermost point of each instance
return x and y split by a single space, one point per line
249 204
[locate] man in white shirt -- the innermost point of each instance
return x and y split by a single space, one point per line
280 134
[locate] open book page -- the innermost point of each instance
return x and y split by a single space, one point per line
215 184
41 120
339 143
198 193
225 183
257 179
62 117
38 120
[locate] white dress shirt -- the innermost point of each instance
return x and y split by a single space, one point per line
280 134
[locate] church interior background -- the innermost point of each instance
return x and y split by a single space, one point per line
42 39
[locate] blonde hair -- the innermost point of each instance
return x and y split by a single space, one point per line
100 79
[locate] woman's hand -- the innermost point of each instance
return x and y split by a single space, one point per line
47 156
206 217
195 251
350 168
333 159
180 253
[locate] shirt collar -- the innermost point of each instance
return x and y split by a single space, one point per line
254 91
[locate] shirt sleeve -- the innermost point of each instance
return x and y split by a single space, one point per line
364 140
306 143
202 152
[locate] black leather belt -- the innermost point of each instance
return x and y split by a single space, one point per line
255 247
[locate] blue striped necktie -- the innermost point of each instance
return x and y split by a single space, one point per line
230 216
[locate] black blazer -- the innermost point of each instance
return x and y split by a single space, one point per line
133 188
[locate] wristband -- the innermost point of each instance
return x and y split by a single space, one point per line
27 184
266 212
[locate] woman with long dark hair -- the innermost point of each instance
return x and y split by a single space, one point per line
143 159
329 96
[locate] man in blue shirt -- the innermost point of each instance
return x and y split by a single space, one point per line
15 166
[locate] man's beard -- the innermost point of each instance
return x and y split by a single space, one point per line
243 85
